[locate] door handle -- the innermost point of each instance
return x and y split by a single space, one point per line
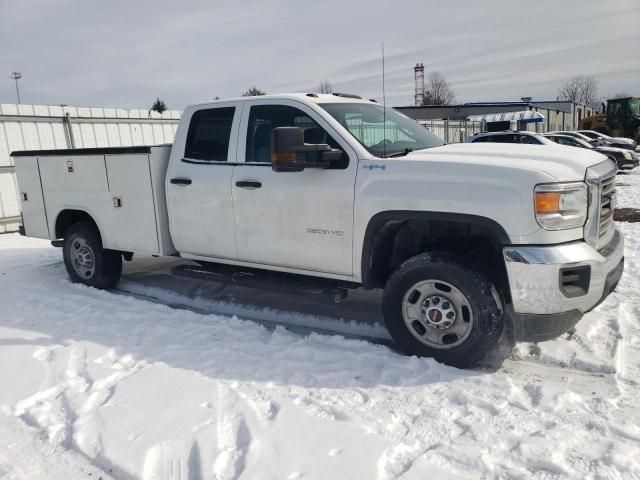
249 184
180 181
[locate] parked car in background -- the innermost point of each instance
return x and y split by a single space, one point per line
618 142
585 138
625 159
510 136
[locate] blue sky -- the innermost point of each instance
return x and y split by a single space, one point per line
127 53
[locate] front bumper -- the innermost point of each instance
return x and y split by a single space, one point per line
629 164
543 306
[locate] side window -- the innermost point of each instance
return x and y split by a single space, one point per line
501 139
209 133
529 140
264 118
479 139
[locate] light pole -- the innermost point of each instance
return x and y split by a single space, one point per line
16 76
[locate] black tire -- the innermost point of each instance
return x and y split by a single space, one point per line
483 300
107 264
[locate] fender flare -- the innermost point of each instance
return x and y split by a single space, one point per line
382 218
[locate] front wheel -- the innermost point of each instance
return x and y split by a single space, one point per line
434 306
85 259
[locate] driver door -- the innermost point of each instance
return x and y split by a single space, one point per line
300 220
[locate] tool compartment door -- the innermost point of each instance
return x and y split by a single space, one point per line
34 217
133 218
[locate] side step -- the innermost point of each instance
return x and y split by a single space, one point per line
280 282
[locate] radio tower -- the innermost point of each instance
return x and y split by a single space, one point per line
419 74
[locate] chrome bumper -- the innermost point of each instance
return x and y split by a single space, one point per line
535 275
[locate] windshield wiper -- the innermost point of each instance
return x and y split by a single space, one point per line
401 153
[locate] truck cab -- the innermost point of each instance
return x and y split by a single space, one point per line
470 242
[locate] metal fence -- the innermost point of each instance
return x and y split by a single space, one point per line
36 127
452 131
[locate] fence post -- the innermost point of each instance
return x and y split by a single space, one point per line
446 131
66 123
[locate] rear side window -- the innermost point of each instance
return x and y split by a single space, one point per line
496 139
503 139
209 133
529 140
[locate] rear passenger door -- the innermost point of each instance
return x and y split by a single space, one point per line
199 182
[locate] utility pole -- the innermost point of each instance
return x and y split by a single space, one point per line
16 76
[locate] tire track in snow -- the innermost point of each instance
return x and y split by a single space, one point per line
516 366
233 436
271 323
67 403
628 372
176 459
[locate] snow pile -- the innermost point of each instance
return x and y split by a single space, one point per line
100 383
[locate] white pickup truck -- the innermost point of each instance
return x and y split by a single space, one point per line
468 240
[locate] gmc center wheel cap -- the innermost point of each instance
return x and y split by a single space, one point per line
437 314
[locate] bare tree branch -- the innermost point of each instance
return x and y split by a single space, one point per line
581 89
325 87
438 91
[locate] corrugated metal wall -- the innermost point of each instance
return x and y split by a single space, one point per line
34 127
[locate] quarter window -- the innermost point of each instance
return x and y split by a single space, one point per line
209 133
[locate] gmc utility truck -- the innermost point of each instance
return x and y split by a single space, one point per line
468 241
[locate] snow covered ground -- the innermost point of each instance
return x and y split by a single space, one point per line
119 385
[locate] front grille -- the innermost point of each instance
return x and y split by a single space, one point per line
599 229
607 206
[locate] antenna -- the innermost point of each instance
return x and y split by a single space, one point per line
384 110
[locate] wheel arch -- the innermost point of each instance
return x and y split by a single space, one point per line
68 217
383 230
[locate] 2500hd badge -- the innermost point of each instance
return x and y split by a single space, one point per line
324 231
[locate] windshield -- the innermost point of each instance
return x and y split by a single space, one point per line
582 143
634 104
382 132
590 134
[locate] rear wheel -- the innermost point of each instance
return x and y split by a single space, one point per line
85 259
436 307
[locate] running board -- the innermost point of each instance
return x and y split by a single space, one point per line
264 280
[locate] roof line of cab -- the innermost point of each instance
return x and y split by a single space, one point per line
312 96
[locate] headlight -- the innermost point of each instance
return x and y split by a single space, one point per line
628 155
560 206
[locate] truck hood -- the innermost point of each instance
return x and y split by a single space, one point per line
561 162
613 149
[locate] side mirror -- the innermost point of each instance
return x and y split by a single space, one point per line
289 153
